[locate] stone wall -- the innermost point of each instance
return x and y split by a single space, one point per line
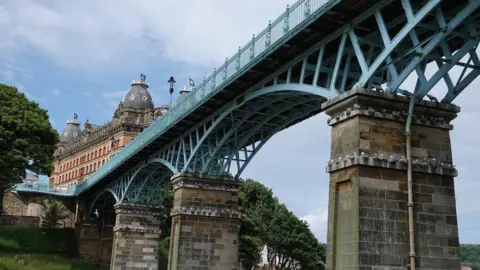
28 204
368 210
15 205
205 223
21 221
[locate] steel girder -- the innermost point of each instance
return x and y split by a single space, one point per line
364 55
145 184
388 52
423 38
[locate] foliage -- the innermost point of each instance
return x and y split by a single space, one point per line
27 139
165 226
166 223
250 243
37 240
41 262
55 212
163 253
470 256
289 242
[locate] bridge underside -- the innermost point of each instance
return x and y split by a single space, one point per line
342 49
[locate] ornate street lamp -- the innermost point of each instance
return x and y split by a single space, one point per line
171 81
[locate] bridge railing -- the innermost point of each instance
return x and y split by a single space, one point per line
45 188
301 13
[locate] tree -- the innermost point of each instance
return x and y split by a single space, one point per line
55 213
289 242
470 256
27 139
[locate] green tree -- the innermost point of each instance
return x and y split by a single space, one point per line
27 139
289 242
163 253
166 223
55 213
470 256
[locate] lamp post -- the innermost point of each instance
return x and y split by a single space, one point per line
171 81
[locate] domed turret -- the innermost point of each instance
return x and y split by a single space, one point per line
138 97
72 131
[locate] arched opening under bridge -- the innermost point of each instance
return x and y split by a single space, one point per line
96 229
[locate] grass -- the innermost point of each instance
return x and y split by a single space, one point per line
37 240
31 248
20 261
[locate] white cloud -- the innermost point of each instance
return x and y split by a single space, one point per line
114 95
56 92
318 223
97 34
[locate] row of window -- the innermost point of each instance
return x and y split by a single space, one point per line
89 156
80 172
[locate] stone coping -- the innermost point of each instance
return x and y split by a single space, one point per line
389 97
397 116
132 208
190 180
230 212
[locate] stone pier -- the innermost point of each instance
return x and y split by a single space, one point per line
205 223
368 214
136 237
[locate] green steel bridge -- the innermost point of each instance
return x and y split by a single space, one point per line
315 51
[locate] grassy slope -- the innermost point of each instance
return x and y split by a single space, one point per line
12 261
38 249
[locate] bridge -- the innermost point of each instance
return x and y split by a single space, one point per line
391 173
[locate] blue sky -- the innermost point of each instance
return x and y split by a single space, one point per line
82 56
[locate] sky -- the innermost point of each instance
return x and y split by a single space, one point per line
81 56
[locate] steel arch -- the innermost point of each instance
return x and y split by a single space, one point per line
97 196
140 185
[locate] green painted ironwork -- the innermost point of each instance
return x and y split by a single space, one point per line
227 140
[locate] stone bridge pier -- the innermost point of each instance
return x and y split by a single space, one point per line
205 223
136 237
368 224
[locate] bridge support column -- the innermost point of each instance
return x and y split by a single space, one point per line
205 223
136 237
368 223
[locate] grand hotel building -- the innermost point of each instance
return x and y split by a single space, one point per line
81 152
